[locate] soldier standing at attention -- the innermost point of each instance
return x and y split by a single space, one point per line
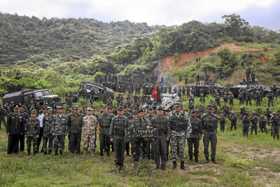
179 128
90 124
105 122
59 130
32 133
117 132
75 123
160 123
13 130
233 120
193 140
209 125
254 121
47 132
245 124
275 125
263 123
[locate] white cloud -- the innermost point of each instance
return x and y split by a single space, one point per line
152 11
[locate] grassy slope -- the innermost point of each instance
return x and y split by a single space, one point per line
241 162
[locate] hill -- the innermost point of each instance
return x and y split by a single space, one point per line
22 37
60 53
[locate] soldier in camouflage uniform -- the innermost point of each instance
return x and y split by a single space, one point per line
90 124
75 123
245 124
263 123
139 143
118 132
32 133
275 125
179 124
233 120
209 126
48 132
105 122
193 139
254 121
161 133
59 130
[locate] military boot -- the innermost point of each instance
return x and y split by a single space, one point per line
174 165
182 166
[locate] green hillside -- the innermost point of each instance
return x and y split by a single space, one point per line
59 53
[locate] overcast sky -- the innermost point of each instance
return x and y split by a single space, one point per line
154 12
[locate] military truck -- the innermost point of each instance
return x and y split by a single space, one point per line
28 96
94 91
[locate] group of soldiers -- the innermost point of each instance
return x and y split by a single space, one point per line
143 133
152 133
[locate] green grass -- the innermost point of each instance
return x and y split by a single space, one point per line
241 162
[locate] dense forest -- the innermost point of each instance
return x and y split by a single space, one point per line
59 53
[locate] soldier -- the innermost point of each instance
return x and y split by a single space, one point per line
48 132
13 130
105 122
90 124
193 140
117 132
160 123
263 123
179 128
275 125
23 120
139 143
233 120
32 133
222 122
254 121
270 99
245 124
209 125
75 123
59 130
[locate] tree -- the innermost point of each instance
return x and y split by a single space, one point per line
235 25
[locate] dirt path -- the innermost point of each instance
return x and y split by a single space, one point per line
181 60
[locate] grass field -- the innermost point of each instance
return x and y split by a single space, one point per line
240 162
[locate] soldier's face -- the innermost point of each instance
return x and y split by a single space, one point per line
60 111
89 112
33 115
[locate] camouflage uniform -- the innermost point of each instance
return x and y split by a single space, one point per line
209 124
90 123
233 120
75 123
179 128
117 131
32 134
59 131
275 125
105 122
245 124
193 139
254 121
262 124
160 123
48 134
